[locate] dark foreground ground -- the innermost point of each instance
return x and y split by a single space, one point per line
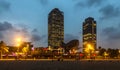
59 65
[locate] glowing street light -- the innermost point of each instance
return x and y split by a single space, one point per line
106 54
89 48
18 43
18 40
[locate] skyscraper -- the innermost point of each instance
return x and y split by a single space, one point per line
55 28
89 35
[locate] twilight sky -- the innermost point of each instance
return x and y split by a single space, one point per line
28 19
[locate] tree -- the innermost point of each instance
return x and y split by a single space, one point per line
101 51
3 48
113 52
99 48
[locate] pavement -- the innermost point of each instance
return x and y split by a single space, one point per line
48 64
38 65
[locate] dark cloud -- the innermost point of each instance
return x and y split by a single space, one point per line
34 30
4 6
80 4
109 11
112 33
111 37
69 37
5 26
35 37
109 30
44 2
94 2
89 3
42 39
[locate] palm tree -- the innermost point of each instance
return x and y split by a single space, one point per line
3 48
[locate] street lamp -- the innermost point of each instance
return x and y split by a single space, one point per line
18 40
88 48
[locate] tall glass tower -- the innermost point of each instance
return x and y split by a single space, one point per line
55 28
89 35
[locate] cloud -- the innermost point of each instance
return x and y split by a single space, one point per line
89 3
69 37
94 2
4 6
35 37
111 37
39 40
109 11
5 26
80 4
44 2
34 30
112 33
9 32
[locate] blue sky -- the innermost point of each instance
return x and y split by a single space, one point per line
29 19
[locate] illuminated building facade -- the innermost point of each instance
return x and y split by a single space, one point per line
55 28
89 35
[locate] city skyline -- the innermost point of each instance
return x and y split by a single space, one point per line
28 19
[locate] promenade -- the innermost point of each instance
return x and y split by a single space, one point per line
59 65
